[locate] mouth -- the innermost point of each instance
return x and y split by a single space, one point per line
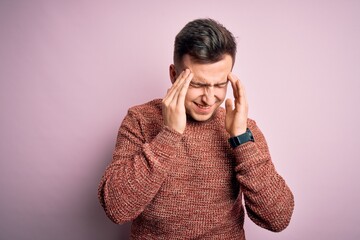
202 106
203 109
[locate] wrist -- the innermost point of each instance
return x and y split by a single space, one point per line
241 138
238 132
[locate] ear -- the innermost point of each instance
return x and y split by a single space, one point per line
172 72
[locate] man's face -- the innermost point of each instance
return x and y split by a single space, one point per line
207 89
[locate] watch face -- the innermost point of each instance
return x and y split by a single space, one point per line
250 134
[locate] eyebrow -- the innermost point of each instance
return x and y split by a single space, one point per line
208 85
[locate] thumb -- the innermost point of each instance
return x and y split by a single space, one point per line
228 105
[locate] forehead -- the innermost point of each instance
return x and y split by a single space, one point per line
210 72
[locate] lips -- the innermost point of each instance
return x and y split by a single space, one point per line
203 106
204 109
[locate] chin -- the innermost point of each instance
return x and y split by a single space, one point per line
201 118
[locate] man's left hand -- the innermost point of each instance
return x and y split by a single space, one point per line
236 117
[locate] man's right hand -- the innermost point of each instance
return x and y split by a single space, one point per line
173 104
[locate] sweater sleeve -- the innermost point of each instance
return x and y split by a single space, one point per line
137 171
268 200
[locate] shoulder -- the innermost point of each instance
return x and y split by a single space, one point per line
146 117
147 110
143 120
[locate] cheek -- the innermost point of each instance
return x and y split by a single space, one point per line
191 95
221 94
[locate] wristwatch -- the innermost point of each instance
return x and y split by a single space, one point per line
243 138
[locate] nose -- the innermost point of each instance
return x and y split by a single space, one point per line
208 96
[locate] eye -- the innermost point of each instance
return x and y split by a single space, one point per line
221 85
196 85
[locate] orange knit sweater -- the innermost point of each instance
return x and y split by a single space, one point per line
190 185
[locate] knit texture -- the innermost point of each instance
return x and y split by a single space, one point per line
191 185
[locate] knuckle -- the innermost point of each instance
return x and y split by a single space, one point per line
164 102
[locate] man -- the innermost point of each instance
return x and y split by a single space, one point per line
182 163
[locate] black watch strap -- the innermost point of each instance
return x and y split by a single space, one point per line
243 138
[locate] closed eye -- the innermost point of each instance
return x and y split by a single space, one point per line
221 85
202 85
198 85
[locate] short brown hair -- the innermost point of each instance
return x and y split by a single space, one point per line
205 41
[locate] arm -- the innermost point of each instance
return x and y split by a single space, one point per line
268 200
137 171
139 168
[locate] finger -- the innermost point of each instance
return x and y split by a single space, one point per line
180 84
184 89
239 93
233 81
177 82
172 91
243 100
228 105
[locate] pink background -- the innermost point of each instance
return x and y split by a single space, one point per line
69 70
